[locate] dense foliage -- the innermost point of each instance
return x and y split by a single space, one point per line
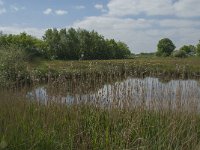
198 49
12 65
81 44
190 50
31 45
165 47
180 54
67 45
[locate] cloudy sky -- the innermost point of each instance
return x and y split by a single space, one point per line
139 23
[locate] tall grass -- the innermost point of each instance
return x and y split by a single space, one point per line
27 125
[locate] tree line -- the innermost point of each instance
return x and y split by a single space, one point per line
167 48
67 44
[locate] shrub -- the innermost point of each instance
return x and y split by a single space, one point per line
189 50
12 65
180 54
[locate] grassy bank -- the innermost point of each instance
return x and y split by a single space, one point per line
159 64
138 67
28 125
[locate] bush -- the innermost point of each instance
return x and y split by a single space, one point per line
189 50
180 54
12 65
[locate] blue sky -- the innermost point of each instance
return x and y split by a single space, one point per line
31 13
139 23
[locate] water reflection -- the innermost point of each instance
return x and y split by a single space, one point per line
132 92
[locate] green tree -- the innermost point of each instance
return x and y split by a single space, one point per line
22 41
74 44
198 49
122 50
99 50
189 50
165 47
85 43
52 40
112 48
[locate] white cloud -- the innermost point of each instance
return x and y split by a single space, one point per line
187 8
135 7
48 11
17 30
100 7
61 12
179 23
180 8
79 7
102 22
15 8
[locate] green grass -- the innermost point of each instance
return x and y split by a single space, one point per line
27 125
154 61
150 66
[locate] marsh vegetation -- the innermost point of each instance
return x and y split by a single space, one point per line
146 102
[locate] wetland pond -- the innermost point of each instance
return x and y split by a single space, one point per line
149 92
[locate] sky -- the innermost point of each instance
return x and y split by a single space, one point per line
138 23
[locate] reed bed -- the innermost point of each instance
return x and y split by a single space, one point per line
33 126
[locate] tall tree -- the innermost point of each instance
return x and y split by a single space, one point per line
122 50
74 44
52 39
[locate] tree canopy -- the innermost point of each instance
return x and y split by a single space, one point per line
74 44
165 47
68 44
31 45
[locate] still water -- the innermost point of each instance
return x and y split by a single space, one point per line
148 92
